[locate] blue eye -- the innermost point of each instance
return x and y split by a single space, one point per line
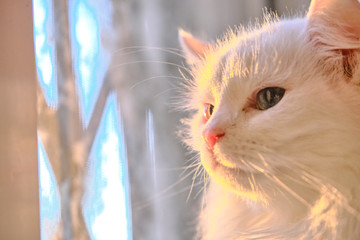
269 97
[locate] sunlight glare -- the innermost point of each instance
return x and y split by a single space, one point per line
85 39
49 196
106 203
44 50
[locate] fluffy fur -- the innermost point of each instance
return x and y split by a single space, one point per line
291 171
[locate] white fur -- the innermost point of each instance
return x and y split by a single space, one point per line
291 171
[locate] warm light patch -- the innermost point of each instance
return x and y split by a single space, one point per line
325 211
220 208
208 71
225 177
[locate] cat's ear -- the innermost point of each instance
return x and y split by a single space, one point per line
193 48
334 30
335 23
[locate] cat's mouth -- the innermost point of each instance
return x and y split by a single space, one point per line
216 159
223 161
232 177
212 162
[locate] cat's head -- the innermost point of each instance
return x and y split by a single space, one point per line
279 104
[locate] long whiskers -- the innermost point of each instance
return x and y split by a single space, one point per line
197 172
165 190
149 201
276 180
138 49
165 91
194 162
206 182
318 183
152 78
289 190
112 67
204 186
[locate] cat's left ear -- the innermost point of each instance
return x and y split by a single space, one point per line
335 23
194 49
334 30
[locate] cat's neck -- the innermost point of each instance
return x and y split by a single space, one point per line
227 215
286 216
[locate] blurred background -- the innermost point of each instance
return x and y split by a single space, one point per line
111 165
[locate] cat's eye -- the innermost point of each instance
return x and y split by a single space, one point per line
269 97
208 110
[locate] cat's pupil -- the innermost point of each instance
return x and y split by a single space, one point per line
269 97
208 111
211 109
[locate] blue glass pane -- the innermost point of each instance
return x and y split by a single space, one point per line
106 205
90 60
49 196
44 50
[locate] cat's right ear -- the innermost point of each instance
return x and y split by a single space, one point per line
194 49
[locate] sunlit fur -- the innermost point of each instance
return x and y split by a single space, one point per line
293 170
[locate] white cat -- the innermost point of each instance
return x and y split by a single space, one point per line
277 124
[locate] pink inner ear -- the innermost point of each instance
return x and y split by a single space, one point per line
343 14
195 46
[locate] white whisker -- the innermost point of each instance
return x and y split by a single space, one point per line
137 49
152 78
112 67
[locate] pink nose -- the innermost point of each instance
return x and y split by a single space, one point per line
211 139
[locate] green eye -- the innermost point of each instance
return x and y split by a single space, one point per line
269 97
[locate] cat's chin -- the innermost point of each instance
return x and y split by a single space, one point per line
231 177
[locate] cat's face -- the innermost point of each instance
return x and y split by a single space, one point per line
273 109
